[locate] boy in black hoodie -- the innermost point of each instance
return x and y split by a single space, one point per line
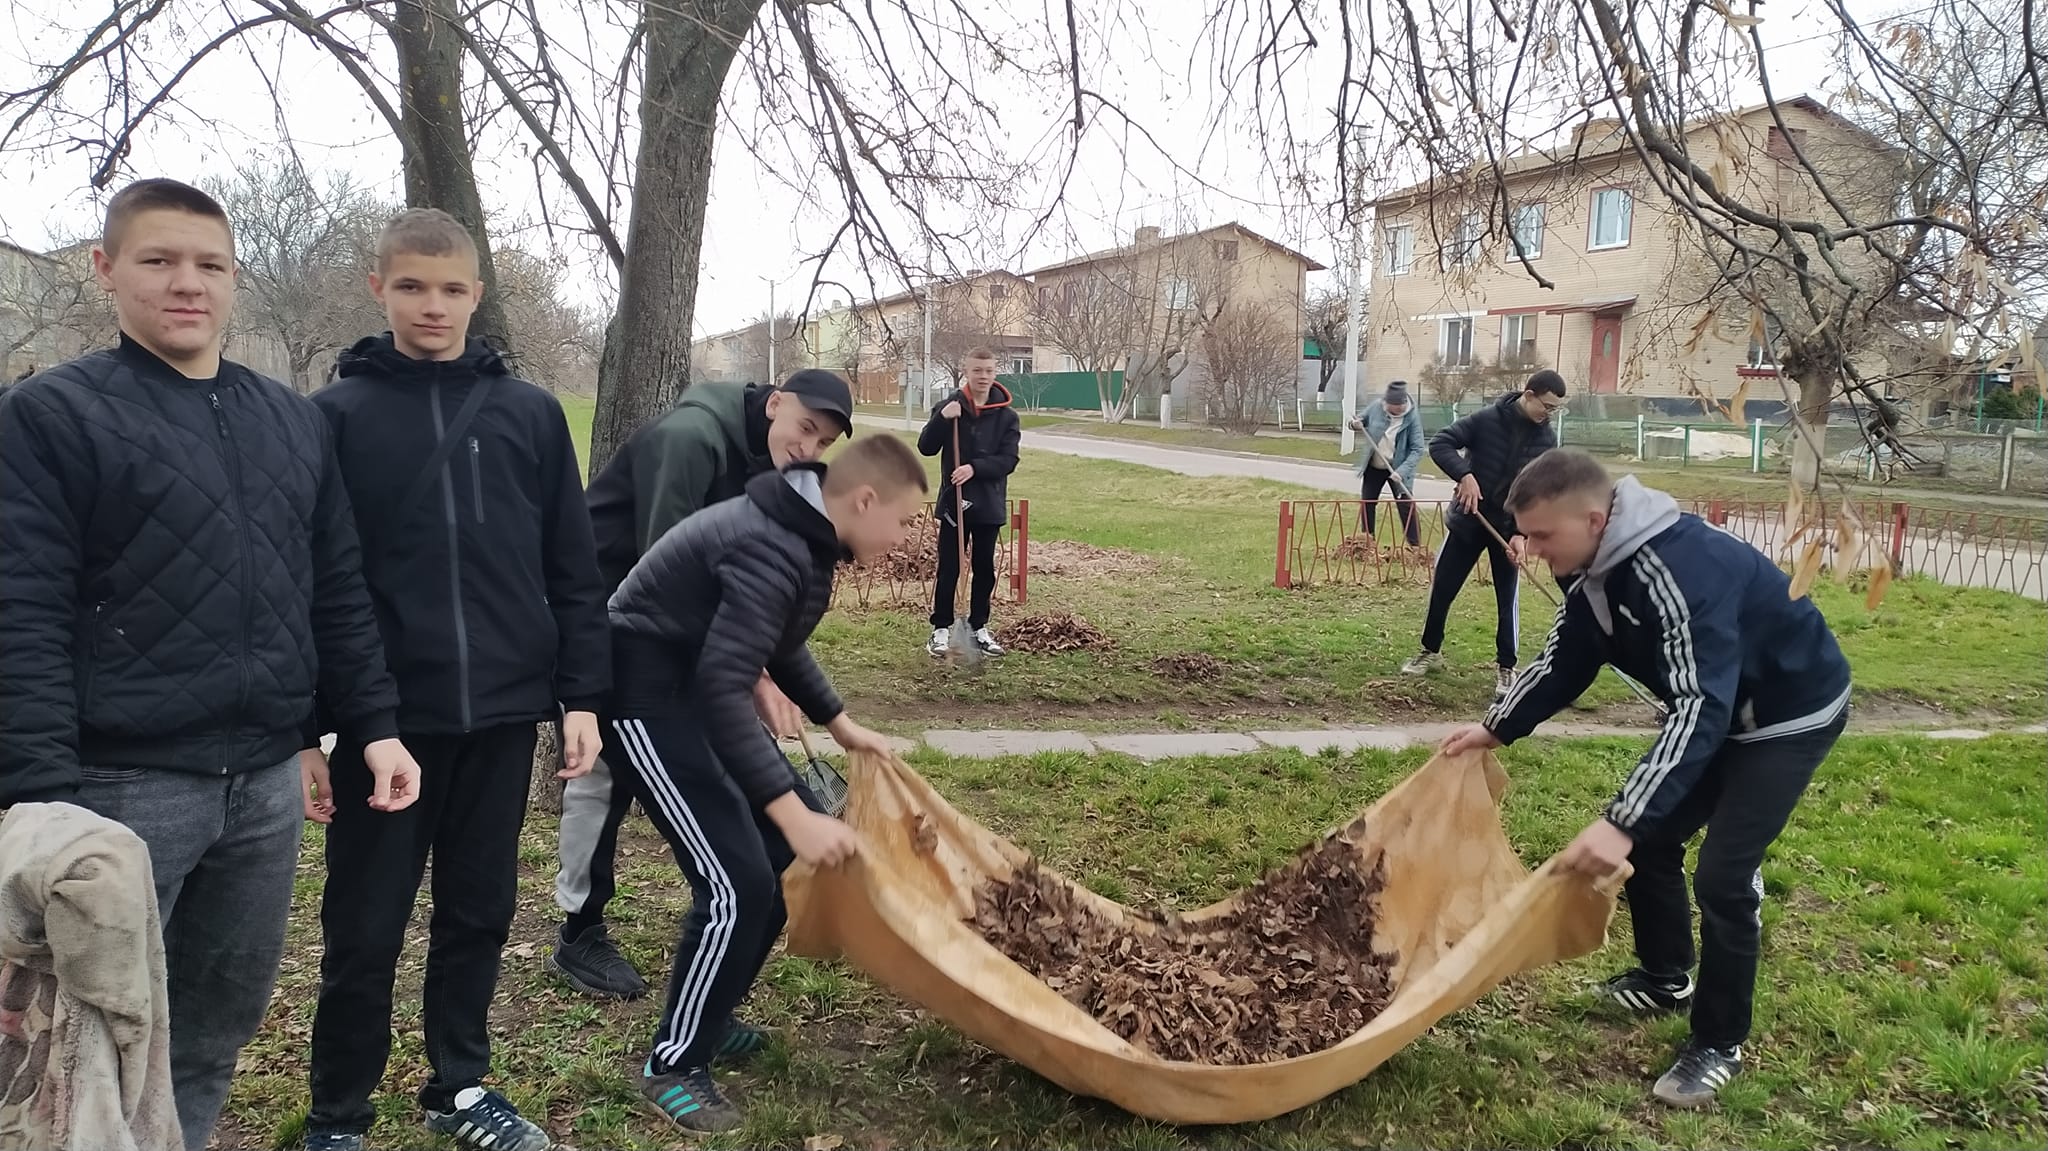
988 431
731 592
478 551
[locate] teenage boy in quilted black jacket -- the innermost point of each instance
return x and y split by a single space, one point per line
480 559
989 432
731 592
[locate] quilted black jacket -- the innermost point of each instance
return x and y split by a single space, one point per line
735 589
178 571
989 436
1492 445
486 586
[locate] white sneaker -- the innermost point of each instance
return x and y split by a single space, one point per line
1423 663
936 647
986 641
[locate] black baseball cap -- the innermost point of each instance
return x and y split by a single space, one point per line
823 391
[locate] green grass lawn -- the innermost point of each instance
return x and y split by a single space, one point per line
1326 654
1901 1001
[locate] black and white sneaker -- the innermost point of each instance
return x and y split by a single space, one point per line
936 646
487 1121
1698 1075
986 641
1638 990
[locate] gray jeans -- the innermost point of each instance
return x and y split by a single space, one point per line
224 850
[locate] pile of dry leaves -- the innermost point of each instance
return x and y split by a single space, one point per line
1188 667
1366 549
1076 560
1054 632
1290 971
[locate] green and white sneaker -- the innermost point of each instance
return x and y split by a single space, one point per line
689 1098
742 1042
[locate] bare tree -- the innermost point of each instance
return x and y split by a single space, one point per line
1251 353
1089 318
51 308
784 332
1326 319
983 309
559 343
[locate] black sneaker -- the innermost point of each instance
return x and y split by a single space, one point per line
488 1123
690 1099
742 1042
1698 1075
334 1141
1638 990
592 964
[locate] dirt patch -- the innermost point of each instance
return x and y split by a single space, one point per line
1366 549
1188 667
1289 972
1054 632
1073 559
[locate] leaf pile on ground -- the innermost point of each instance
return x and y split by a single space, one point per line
1188 667
914 561
1365 549
1075 560
1053 632
1289 971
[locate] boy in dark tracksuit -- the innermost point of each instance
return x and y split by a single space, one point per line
731 592
1483 453
989 432
703 451
1757 691
478 553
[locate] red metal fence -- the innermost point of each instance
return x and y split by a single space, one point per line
1321 541
904 578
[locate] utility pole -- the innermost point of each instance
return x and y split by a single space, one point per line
1352 318
771 332
927 349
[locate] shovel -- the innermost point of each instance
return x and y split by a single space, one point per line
960 646
822 778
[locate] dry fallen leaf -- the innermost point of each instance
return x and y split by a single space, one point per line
1809 567
824 1143
1880 583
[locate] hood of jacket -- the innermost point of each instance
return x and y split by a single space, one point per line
1636 516
795 498
379 356
998 397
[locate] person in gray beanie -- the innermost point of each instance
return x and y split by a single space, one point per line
1393 447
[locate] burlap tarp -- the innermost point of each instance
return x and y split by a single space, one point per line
1459 909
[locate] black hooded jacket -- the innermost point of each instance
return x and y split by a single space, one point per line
486 589
734 590
1492 445
178 571
989 437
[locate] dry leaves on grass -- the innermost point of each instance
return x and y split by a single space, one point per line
1290 971
1075 560
1188 667
1052 633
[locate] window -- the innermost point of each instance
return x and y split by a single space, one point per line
998 291
1226 251
1780 147
1400 241
1045 299
1528 231
1611 210
1518 338
1180 294
1463 246
1020 363
1067 364
1454 342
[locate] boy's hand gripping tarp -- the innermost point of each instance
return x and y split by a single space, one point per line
1458 909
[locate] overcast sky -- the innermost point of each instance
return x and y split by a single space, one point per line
1150 58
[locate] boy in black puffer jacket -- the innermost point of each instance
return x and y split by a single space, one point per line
1483 453
731 592
481 564
989 433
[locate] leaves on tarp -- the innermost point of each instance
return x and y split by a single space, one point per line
1054 632
1289 971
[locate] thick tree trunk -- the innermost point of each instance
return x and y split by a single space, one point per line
544 793
646 363
438 170
1810 433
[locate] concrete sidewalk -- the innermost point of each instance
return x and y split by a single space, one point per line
1175 744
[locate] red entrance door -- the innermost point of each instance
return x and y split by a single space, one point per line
1604 372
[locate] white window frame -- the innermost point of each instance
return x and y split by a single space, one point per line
1463 249
1593 216
1531 236
1180 294
1020 363
1399 258
1444 328
1525 326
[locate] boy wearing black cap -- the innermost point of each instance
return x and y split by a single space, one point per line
979 420
1393 447
703 451
1483 453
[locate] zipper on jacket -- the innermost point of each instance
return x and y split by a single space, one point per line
234 468
92 658
476 478
454 557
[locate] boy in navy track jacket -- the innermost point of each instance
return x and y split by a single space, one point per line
482 568
1758 692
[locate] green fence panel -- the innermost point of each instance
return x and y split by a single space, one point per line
1076 391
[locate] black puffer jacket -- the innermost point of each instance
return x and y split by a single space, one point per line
486 588
178 570
731 591
989 436
1492 445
